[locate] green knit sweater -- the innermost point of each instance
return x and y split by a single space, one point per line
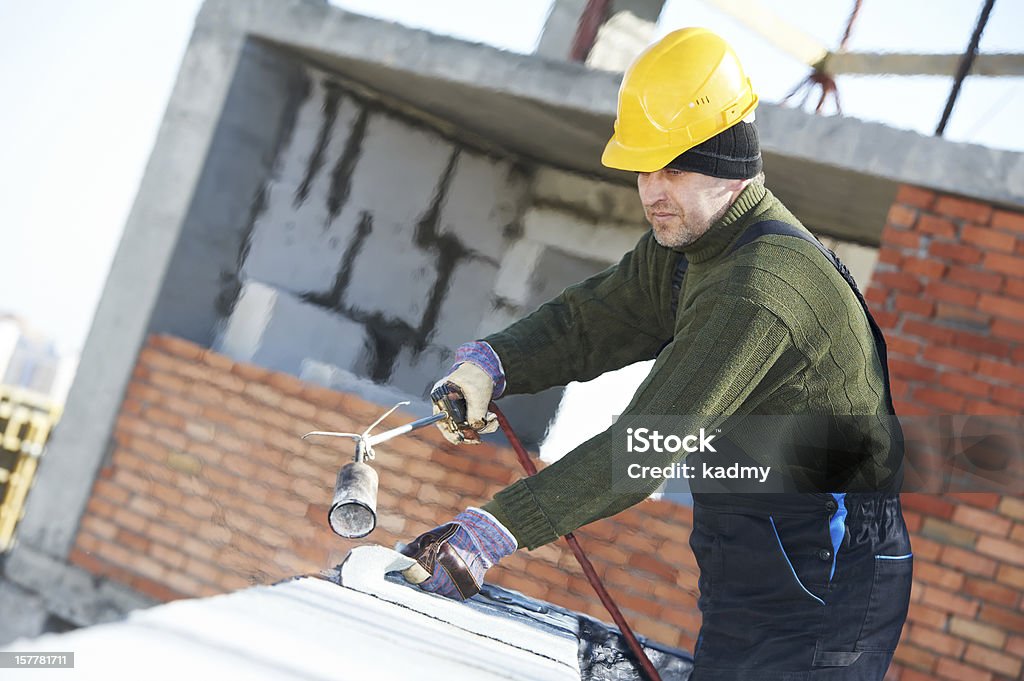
771 328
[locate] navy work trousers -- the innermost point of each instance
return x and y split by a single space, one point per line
799 587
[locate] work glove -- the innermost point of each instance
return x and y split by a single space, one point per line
477 378
451 559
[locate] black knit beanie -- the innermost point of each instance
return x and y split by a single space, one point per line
733 154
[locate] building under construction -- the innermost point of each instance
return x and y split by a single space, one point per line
333 203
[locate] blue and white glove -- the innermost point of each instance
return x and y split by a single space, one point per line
451 559
476 376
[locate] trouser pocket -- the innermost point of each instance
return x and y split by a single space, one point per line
888 603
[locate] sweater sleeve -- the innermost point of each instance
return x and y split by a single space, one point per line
606 322
700 378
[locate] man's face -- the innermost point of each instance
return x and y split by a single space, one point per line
681 206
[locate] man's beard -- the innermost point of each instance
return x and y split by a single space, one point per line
686 233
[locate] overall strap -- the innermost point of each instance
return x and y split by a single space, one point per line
677 281
777 227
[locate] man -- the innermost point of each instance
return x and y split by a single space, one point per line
759 337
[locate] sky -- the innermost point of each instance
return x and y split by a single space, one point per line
85 84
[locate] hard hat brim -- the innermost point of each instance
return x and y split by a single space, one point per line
637 160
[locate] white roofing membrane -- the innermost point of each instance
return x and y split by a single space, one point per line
312 629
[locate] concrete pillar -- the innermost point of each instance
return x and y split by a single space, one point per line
560 28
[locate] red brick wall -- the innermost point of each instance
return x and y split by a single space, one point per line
949 293
209 489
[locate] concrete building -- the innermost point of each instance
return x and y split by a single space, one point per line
29 360
337 200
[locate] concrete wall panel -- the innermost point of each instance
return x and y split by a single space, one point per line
278 331
299 240
403 175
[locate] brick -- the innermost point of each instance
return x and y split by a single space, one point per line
907 408
912 520
217 361
203 572
985 500
902 346
949 357
1011 221
250 372
915 196
930 639
932 332
1001 617
286 383
965 209
897 281
132 541
965 384
930 573
980 343
955 253
988 239
927 615
1002 550
942 400
890 256
975 278
155 359
982 521
949 293
967 561
931 269
979 633
1003 328
901 216
168 536
173 345
1000 663
990 591
1015 646
155 590
908 674
111 492
975 407
899 238
911 370
913 656
1002 306
1014 287
948 533
650 564
877 299
1001 371
1011 397
929 505
1012 506
101 527
949 601
936 226
886 320
913 305
948 668
1007 264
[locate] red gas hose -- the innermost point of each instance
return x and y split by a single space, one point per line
588 568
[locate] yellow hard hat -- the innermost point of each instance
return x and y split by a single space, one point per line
681 91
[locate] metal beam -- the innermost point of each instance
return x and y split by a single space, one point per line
876 63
